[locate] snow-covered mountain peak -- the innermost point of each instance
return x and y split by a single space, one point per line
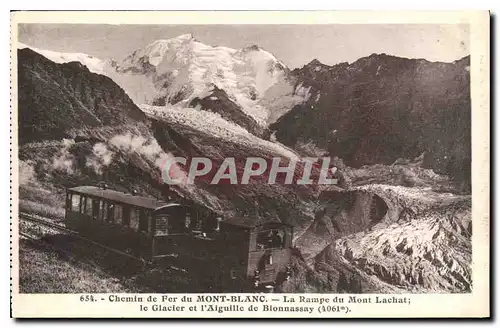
155 52
257 53
21 45
95 65
187 36
182 66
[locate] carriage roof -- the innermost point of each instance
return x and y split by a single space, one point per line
121 197
254 221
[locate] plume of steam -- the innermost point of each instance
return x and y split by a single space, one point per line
128 142
132 143
103 153
150 149
100 158
63 160
26 173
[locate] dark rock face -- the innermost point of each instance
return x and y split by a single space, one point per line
219 102
352 211
381 108
339 213
56 98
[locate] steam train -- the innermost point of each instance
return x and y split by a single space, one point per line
234 254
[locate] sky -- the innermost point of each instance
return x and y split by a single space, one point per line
294 45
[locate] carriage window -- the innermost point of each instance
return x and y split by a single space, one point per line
196 222
111 210
88 206
75 203
134 218
104 210
83 200
218 220
143 220
188 220
126 216
95 209
270 239
118 212
161 228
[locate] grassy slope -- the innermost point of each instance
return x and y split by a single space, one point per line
44 271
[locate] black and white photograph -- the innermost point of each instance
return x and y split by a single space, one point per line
244 158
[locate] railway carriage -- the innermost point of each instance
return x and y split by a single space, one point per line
228 251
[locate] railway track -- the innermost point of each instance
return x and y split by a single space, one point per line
50 227
45 222
93 255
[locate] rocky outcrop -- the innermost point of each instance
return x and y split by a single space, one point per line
217 101
419 240
431 254
337 214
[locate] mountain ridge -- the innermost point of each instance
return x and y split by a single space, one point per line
177 70
381 108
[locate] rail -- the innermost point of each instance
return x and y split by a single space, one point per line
47 223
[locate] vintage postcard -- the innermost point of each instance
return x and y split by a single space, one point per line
250 164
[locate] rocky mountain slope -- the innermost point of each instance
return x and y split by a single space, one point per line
382 108
216 100
55 98
427 252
